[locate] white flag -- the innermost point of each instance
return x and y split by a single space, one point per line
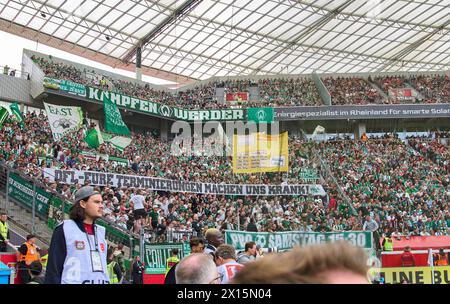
63 119
319 130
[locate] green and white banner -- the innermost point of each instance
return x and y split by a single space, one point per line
113 119
308 174
97 178
158 109
259 115
144 106
16 111
112 159
22 191
65 85
3 115
63 119
289 239
118 142
156 255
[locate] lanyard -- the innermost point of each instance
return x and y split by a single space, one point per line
95 239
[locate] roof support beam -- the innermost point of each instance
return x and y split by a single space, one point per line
307 32
413 46
177 14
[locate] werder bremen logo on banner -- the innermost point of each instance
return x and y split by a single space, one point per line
165 111
261 115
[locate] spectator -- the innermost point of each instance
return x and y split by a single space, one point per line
114 272
440 259
4 232
227 267
387 243
172 260
249 254
119 257
372 225
197 246
35 271
138 201
407 258
26 254
81 242
137 270
214 238
197 268
6 70
332 263
252 226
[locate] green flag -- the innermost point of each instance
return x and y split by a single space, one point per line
113 119
3 115
260 114
118 142
16 111
94 138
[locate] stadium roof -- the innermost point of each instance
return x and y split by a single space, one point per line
193 39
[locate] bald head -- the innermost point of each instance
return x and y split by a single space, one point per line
197 268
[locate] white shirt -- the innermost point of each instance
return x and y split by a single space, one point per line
228 271
138 201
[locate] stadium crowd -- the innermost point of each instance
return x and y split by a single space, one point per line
351 90
32 148
403 190
273 92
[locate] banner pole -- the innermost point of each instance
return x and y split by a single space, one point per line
432 267
33 210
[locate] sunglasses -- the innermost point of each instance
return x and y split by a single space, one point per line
216 280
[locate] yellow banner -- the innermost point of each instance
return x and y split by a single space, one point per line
260 152
417 275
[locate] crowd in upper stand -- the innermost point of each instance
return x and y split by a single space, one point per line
274 92
406 189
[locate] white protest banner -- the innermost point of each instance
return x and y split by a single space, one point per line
153 183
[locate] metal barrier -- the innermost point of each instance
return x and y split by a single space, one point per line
37 209
9 71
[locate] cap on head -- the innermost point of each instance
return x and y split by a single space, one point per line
84 193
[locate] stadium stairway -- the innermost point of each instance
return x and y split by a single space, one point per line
379 90
20 220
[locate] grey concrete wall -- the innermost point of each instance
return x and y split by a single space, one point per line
14 89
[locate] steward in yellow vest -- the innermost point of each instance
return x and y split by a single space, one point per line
4 232
170 262
114 271
388 244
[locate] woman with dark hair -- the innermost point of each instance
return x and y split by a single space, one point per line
78 249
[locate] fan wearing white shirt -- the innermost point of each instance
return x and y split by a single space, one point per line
225 258
138 201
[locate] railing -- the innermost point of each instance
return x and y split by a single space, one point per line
24 195
8 71
38 209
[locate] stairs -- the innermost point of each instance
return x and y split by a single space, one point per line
20 220
379 90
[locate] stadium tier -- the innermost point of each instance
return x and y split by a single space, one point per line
273 92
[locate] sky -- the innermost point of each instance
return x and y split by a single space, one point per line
11 55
